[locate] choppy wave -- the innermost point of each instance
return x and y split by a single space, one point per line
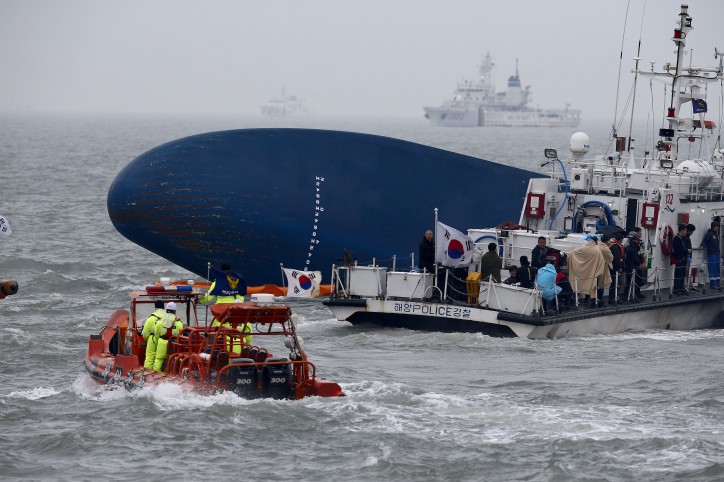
419 406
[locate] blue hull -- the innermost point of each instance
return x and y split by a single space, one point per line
256 198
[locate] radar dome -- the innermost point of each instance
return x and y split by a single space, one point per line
580 143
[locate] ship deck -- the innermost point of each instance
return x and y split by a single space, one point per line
586 310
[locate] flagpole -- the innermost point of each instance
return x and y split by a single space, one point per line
208 278
434 266
281 266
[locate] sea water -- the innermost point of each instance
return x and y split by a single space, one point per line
419 406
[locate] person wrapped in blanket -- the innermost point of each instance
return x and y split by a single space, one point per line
546 281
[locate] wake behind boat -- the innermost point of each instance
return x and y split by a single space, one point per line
206 359
476 103
665 194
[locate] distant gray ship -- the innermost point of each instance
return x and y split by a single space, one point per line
284 105
475 103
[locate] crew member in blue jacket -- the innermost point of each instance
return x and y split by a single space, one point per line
713 256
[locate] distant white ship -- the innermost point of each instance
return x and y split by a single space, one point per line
475 103
284 105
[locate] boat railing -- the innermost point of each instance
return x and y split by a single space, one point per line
509 298
359 281
657 280
617 176
625 290
339 285
186 365
208 352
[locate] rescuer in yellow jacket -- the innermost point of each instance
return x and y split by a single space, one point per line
208 298
149 333
213 299
243 328
168 326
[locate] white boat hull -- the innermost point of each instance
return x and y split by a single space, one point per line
696 312
453 117
480 117
536 118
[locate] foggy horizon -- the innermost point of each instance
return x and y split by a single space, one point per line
371 59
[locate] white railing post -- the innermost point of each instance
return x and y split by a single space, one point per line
616 287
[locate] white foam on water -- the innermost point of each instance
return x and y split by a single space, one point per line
35 394
656 335
170 396
88 389
18 334
166 396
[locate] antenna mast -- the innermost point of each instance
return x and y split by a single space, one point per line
636 77
620 61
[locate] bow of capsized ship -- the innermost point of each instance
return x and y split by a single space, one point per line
256 198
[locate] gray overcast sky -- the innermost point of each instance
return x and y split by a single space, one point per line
366 58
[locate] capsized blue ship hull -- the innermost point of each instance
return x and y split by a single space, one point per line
256 198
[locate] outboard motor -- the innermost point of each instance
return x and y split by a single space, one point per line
276 379
244 379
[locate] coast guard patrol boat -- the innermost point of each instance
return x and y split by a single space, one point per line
657 192
475 103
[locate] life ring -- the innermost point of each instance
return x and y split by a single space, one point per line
667 240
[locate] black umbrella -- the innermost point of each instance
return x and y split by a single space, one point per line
612 231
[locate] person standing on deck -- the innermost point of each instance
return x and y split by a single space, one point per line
640 270
680 253
244 328
617 263
585 265
630 267
605 278
426 253
167 327
713 256
208 298
149 333
491 263
228 287
690 228
539 255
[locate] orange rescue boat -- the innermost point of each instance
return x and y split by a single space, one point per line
208 359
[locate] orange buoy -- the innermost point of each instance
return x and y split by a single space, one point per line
8 288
